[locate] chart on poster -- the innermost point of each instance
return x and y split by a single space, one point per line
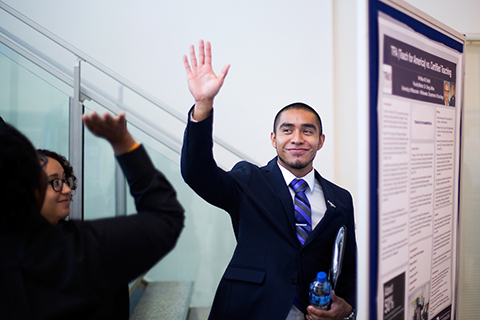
418 123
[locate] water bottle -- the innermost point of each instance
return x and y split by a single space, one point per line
320 292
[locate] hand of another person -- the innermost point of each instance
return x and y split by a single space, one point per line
111 128
202 81
339 309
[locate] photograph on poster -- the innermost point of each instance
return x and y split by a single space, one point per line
419 304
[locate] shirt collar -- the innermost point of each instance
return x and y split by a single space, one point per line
288 176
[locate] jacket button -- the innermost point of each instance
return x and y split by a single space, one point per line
294 281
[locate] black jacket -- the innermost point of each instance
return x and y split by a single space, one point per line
78 270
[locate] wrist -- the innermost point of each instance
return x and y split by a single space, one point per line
351 316
202 109
124 145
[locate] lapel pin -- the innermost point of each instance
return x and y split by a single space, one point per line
331 204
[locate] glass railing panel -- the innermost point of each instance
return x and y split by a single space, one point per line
34 102
99 173
207 241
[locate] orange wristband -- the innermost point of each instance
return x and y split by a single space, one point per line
135 146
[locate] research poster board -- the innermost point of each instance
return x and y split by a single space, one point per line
419 73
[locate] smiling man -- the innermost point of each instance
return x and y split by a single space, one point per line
285 216
298 137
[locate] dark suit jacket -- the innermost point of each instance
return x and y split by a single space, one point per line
452 101
77 271
268 262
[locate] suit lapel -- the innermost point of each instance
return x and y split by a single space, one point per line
277 182
330 201
275 178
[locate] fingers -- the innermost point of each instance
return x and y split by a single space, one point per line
193 59
204 56
336 299
90 120
208 58
121 118
187 65
224 72
95 123
112 128
333 296
201 52
116 123
317 314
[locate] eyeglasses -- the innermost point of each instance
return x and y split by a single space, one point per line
57 184
44 161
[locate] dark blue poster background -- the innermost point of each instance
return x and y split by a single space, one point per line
411 72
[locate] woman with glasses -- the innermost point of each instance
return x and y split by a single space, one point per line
79 270
61 185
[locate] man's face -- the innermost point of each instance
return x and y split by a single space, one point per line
297 140
446 92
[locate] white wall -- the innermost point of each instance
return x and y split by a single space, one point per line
280 52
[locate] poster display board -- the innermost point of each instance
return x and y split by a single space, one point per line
418 127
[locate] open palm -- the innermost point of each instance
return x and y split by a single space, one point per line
202 81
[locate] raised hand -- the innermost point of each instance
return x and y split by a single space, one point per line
202 81
111 128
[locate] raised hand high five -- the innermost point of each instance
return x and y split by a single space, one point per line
202 81
111 128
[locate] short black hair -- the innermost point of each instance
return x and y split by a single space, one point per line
301 106
66 166
19 173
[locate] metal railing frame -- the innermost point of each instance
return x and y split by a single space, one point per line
83 56
81 91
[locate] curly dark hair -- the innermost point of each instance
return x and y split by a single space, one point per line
19 173
67 168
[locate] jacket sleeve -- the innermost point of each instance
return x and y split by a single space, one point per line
200 171
132 244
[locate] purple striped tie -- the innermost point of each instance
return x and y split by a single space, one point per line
303 212
303 221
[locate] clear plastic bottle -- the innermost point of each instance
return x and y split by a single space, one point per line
320 292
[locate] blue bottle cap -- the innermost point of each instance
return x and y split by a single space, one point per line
321 276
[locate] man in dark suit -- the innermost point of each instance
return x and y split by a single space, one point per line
452 99
278 252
